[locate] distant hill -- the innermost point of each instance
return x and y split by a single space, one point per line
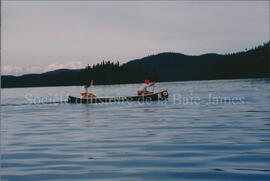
167 66
175 66
59 71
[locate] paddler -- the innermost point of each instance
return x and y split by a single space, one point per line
143 90
86 93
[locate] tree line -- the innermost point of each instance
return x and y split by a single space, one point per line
108 72
253 63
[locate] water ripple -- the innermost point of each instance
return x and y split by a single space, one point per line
140 142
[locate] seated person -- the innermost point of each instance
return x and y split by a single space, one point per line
86 94
143 90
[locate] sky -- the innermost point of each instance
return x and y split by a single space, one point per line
47 35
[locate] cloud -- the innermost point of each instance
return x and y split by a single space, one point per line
16 70
69 65
38 33
11 69
35 69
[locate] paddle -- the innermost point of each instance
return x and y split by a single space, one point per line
91 86
91 90
153 84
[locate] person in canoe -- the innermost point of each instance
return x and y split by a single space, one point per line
86 93
143 90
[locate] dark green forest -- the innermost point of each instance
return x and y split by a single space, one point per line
108 72
253 63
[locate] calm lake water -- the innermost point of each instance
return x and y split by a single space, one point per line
207 130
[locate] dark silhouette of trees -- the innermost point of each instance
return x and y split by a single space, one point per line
253 63
108 72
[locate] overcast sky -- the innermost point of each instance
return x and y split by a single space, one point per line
42 36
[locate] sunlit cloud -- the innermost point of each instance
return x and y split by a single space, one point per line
69 65
16 70
35 69
38 33
11 69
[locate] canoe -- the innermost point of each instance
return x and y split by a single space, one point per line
163 95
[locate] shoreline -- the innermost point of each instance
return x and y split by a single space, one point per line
141 82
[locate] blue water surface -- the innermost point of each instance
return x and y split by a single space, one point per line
207 130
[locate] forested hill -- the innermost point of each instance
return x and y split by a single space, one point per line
174 66
253 63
